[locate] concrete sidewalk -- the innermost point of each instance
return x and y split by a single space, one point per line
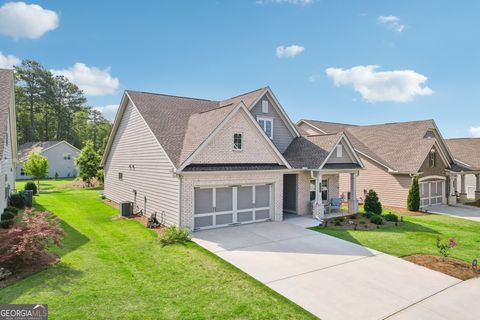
331 278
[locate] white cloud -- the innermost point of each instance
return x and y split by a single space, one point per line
8 61
21 20
296 2
475 132
392 22
375 86
93 81
289 52
108 111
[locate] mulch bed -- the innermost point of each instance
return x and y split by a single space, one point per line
452 267
80 184
23 270
362 223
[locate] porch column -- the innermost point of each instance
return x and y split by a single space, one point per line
477 189
318 208
353 202
463 188
452 197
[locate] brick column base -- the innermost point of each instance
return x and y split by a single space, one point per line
477 195
463 197
452 199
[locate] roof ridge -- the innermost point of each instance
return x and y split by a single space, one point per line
215 109
464 138
392 123
171 95
325 134
331 122
243 94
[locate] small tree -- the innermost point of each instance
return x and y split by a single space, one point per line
36 166
413 199
88 163
371 203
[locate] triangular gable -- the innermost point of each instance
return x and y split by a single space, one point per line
348 153
202 153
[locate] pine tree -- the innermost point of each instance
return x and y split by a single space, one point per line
413 199
372 204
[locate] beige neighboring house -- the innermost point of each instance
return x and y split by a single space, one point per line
204 164
60 154
395 152
8 136
467 152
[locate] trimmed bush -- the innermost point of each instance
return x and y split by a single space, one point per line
7 215
5 224
12 210
413 199
372 203
391 217
31 186
369 214
376 219
173 235
16 200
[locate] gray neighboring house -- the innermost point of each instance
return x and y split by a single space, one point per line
60 154
395 152
467 152
8 136
204 164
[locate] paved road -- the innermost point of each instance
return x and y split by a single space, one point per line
336 279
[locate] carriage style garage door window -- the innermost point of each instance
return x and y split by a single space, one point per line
431 193
222 206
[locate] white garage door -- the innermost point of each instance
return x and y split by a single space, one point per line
222 206
431 193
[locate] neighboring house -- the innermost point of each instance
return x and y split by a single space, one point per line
395 152
467 152
204 164
60 154
8 136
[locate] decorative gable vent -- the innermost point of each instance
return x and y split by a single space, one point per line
265 106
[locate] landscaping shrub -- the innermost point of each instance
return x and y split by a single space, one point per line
391 217
16 200
376 219
12 210
31 186
444 247
369 214
7 215
372 203
5 224
28 240
337 222
173 235
413 199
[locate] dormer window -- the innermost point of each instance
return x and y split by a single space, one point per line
432 158
237 141
339 151
265 106
267 125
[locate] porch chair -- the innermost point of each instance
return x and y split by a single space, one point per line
335 204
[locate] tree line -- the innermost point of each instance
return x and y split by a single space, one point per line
50 107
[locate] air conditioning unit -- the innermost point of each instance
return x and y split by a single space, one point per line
126 209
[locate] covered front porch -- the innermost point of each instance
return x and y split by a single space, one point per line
317 193
464 187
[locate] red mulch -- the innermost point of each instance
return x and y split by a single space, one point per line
22 270
452 267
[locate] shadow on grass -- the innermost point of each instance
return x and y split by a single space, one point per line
57 279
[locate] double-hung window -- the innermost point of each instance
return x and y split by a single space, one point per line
432 158
267 125
237 141
313 189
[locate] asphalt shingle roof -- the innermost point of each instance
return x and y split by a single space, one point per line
467 150
6 83
24 149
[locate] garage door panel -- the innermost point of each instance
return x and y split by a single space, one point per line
222 219
262 196
203 222
244 197
203 201
245 216
224 199
262 214
431 193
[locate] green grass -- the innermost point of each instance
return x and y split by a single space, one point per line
113 269
46 184
417 235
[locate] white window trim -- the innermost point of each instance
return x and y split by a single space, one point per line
339 151
265 106
241 141
263 128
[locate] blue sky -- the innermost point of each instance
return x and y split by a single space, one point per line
427 53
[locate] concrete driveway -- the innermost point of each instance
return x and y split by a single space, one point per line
331 278
458 211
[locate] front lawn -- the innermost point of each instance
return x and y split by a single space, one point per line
417 235
114 269
46 184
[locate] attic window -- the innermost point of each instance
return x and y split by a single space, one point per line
67 156
265 106
432 158
237 141
339 151
120 176
267 126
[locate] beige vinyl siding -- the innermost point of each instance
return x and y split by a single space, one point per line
254 147
7 174
282 137
392 189
152 175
